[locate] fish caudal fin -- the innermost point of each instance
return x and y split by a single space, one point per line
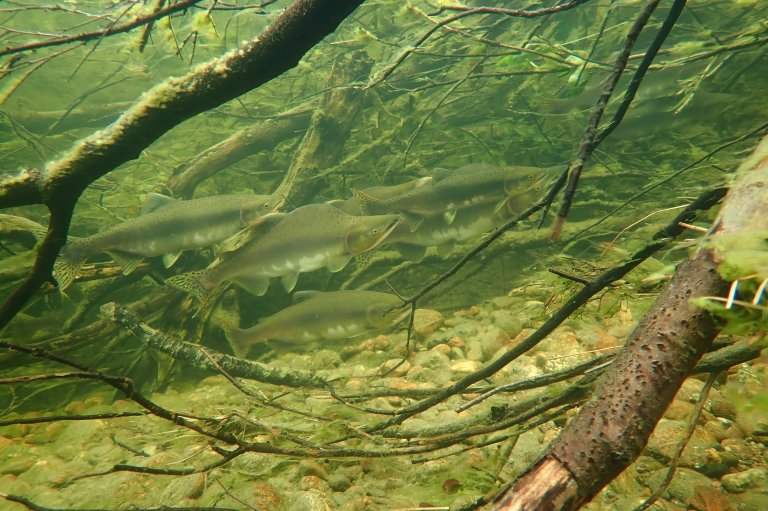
191 283
229 323
66 269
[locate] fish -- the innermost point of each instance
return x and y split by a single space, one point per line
330 316
470 223
308 238
380 192
453 190
166 227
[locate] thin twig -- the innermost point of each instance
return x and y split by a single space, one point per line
99 34
591 139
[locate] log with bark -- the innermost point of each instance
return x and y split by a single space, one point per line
612 429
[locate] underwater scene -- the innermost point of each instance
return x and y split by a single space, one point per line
313 255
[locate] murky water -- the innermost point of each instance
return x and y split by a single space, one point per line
329 410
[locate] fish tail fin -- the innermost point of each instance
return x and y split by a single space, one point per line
66 268
236 338
190 282
240 340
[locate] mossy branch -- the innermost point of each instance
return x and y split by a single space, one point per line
278 49
195 355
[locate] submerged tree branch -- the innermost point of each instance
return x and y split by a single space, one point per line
612 429
195 355
662 237
592 138
58 186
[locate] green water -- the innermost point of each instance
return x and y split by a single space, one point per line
371 106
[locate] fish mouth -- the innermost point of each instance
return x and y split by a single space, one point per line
386 232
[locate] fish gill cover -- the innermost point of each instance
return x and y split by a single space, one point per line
449 297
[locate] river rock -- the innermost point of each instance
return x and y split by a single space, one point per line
183 487
492 340
721 407
742 481
507 322
432 359
683 485
427 322
465 366
666 437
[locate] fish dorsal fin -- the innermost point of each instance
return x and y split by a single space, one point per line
256 285
412 252
128 262
445 249
449 216
170 259
413 221
367 202
441 173
336 264
289 281
301 296
154 201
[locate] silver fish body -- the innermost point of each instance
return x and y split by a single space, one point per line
381 193
306 239
470 222
166 228
464 187
331 316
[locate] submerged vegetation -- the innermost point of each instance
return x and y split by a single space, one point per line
523 190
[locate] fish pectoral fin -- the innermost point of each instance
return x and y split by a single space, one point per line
191 283
413 221
289 281
367 202
449 216
412 252
503 207
336 264
154 201
128 262
445 249
170 259
439 173
256 285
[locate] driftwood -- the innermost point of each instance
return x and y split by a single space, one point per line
329 129
60 183
242 144
196 355
611 430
